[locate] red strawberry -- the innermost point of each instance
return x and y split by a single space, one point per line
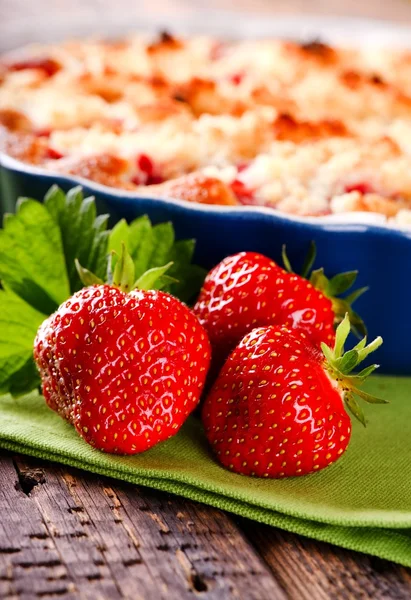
277 408
249 290
126 369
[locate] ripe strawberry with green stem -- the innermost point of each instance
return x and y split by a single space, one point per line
278 407
249 290
124 364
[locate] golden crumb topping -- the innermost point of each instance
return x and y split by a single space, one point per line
305 128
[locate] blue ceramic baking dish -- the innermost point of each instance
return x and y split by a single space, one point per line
381 253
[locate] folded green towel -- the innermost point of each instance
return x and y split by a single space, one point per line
363 502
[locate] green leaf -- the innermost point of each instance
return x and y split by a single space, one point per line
319 280
355 408
41 249
348 362
32 261
18 327
357 324
155 246
149 278
163 244
372 346
328 353
190 280
366 372
286 260
123 276
163 282
24 380
119 235
351 298
190 277
370 398
309 260
87 277
341 335
341 283
361 344
84 235
139 241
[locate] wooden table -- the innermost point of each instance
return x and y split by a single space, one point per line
67 534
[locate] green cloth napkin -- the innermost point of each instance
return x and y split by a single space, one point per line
362 502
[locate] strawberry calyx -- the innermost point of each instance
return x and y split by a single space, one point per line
123 275
340 366
332 289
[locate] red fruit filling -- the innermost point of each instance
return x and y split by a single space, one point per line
53 154
148 174
48 65
243 194
236 78
362 187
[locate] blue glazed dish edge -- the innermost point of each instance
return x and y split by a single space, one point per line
382 254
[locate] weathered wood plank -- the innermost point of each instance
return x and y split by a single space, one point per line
74 535
79 536
310 570
24 542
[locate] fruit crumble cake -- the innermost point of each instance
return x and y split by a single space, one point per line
305 128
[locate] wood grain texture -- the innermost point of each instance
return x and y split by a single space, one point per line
68 534
71 534
310 570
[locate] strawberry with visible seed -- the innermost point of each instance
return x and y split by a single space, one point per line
277 408
126 368
249 290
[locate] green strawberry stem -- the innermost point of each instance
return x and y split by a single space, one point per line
332 289
123 276
340 365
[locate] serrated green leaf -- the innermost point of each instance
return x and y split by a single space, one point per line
182 252
83 233
32 257
119 235
143 238
163 243
55 200
19 323
155 246
140 229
